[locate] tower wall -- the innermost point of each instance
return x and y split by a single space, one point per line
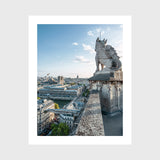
111 97
110 90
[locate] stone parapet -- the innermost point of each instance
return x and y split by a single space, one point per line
107 76
91 123
116 76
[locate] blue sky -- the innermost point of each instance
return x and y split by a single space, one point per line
68 50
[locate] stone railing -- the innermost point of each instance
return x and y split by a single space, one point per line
91 123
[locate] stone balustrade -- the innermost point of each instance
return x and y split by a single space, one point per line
91 123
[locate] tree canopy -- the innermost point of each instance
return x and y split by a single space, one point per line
86 93
73 83
56 106
60 130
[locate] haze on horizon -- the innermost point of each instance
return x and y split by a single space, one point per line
69 50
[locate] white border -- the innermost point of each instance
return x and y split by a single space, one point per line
127 85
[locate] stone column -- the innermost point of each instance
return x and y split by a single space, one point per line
116 94
113 99
105 98
110 94
121 96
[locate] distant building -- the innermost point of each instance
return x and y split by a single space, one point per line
79 88
49 81
60 80
75 105
68 80
69 118
44 119
60 92
64 118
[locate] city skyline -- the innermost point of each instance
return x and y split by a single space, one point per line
68 50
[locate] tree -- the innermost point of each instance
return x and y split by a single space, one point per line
64 129
54 128
86 93
56 106
73 83
60 130
53 125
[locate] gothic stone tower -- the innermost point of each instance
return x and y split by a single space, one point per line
109 80
60 80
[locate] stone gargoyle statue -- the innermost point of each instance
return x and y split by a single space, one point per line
106 56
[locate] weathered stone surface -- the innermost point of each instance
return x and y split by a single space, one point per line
91 123
100 77
110 76
110 87
111 97
106 56
109 80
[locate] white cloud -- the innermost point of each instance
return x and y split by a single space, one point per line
102 32
108 29
88 48
90 33
98 29
75 44
41 74
119 42
81 59
119 50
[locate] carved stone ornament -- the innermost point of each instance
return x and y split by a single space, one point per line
106 56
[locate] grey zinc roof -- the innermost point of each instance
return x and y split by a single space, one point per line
100 77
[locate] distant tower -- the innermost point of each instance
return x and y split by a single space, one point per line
77 77
60 80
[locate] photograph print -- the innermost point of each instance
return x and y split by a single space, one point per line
80 80
77 66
